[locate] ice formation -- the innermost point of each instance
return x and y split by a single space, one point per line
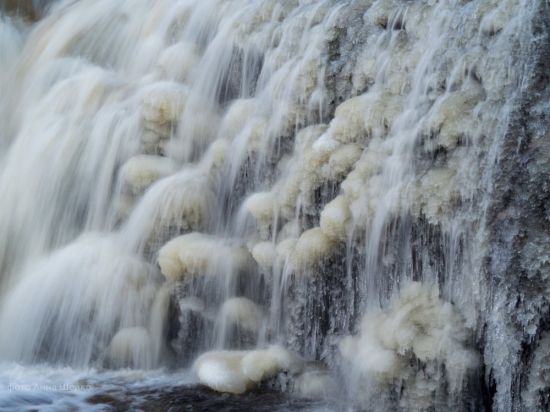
261 206
199 254
417 326
140 172
265 254
239 371
360 118
315 384
436 194
312 247
184 201
131 347
242 312
285 249
235 120
162 105
177 62
536 391
449 118
335 218
182 177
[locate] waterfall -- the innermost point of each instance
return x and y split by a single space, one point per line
297 192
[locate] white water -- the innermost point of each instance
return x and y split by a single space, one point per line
129 125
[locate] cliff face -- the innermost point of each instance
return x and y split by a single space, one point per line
517 319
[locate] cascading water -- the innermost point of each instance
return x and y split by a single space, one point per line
279 194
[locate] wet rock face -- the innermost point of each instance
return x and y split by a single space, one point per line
518 266
318 309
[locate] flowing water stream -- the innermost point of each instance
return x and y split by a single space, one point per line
299 198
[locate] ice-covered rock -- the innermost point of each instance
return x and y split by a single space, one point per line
162 104
335 218
418 325
199 254
235 119
360 118
315 384
139 172
265 254
239 371
177 61
131 347
262 207
242 313
311 249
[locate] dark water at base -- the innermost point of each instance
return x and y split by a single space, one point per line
197 398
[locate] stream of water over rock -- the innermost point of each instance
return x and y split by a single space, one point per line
295 204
